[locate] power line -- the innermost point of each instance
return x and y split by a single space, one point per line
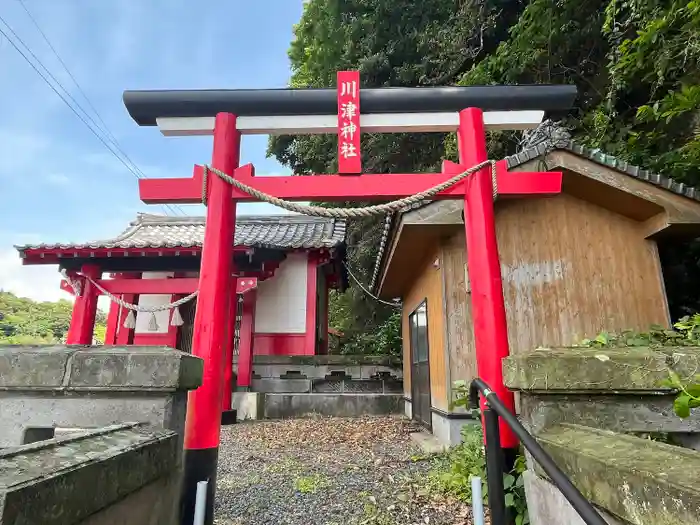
65 67
73 109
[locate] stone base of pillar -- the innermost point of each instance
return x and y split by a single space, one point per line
228 417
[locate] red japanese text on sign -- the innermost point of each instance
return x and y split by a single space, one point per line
349 158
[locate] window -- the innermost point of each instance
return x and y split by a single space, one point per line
418 323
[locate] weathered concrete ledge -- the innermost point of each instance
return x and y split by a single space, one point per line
65 480
95 368
641 481
278 406
599 369
575 369
618 389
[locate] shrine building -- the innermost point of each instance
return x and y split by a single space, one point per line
285 265
572 265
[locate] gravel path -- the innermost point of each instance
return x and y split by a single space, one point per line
327 471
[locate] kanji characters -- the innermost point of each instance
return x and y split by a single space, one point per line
348 150
348 110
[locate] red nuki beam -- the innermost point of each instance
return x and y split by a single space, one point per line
343 188
184 285
488 307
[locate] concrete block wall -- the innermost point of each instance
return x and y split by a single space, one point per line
112 476
48 387
587 407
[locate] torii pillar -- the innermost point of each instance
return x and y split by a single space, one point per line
203 423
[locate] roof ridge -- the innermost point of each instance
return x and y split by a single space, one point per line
604 159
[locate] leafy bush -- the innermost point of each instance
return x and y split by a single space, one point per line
454 472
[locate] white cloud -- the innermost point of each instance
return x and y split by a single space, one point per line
36 282
40 283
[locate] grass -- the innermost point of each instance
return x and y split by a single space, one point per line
309 484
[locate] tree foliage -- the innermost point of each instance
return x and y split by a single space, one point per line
23 321
635 63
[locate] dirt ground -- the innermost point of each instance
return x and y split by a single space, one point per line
327 471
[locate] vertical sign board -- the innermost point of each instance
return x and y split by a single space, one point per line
349 158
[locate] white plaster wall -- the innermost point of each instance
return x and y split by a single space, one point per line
281 303
144 318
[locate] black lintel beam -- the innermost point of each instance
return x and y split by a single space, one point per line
145 106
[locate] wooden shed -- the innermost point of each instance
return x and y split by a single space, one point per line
572 265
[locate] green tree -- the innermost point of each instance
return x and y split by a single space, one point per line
392 43
24 321
635 64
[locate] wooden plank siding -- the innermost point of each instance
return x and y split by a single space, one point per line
459 328
428 285
572 269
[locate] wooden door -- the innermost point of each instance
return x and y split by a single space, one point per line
420 365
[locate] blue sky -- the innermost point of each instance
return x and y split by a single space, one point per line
58 182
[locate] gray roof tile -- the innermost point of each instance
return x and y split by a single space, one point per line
159 231
606 160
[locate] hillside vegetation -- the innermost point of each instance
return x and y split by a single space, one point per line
24 321
636 64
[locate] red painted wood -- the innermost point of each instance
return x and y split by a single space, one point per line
369 186
279 344
203 421
488 307
112 324
182 285
311 298
82 322
150 339
324 319
228 348
349 155
125 336
246 284
244 374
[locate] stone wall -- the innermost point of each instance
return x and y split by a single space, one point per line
326 374
47 387
589 409
333 385
119 475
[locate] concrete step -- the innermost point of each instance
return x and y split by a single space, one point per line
428 443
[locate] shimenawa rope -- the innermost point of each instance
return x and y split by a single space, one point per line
314 211
388 208
339 213
130 321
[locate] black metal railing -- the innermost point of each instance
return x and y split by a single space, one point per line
495 462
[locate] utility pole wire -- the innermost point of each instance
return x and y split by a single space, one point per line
138 173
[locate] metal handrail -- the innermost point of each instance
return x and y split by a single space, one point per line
494 459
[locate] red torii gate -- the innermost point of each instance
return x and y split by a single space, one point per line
227 114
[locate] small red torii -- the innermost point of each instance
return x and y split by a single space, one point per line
227 114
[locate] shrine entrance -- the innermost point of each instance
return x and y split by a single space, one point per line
346 111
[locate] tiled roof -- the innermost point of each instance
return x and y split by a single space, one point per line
159 231
609 161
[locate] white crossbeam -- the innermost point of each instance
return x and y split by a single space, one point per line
370 123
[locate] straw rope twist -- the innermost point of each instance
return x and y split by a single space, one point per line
129 306
342 213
